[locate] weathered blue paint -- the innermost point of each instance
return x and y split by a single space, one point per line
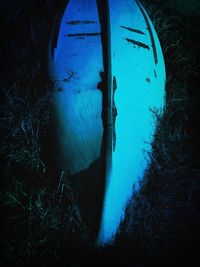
77 63
140 77
137 66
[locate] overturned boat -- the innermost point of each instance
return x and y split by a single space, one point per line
108 63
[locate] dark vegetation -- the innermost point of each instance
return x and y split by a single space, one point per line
41 223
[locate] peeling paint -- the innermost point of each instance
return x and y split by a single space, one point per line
132 30
137 43
77 22
114 112
82 34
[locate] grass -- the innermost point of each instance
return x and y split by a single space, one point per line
41 220
162 219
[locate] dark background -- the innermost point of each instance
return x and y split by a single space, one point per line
42 222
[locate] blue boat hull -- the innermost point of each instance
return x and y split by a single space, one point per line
109 67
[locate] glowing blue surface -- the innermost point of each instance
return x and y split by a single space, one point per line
78 107
133 67
140 87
